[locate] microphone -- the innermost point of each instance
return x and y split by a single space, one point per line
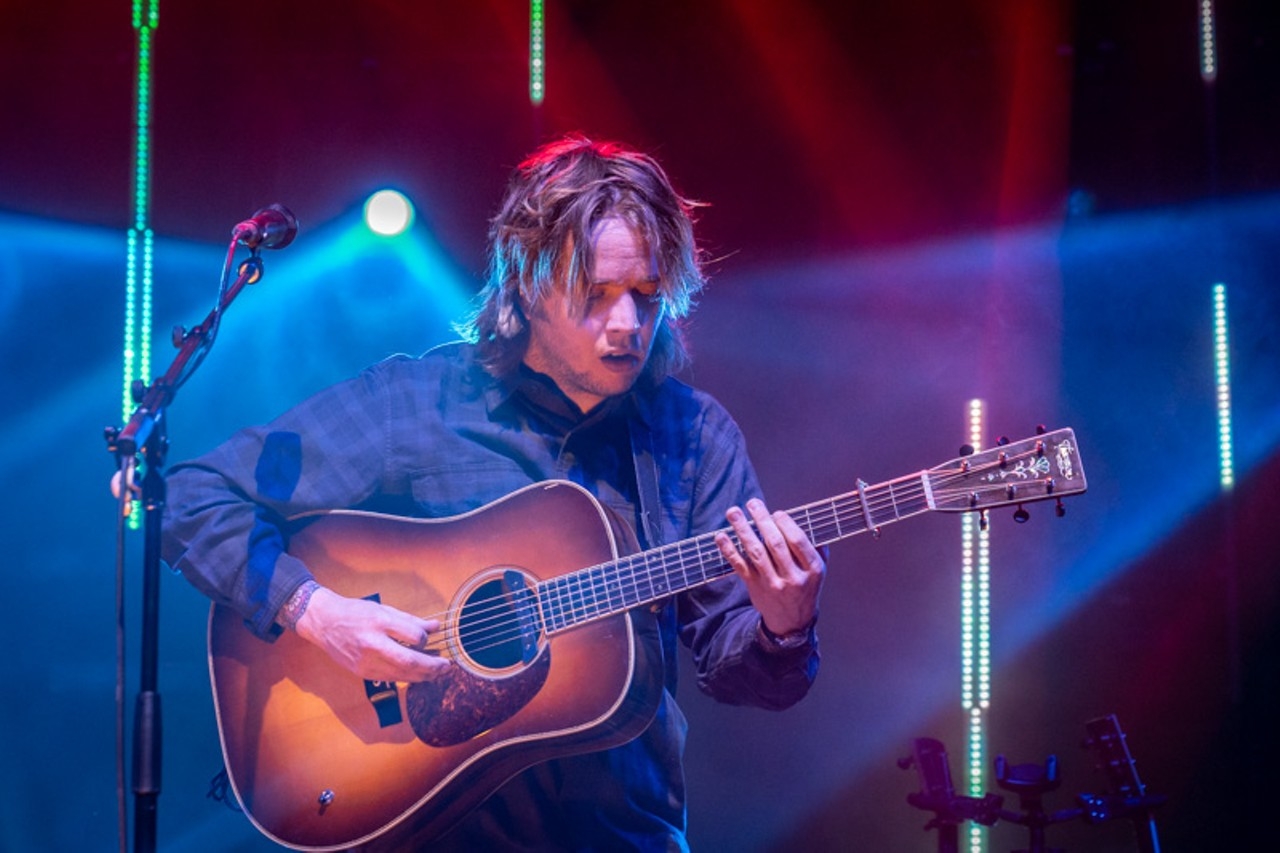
273 227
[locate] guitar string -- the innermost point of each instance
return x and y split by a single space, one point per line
692 552
595 594
595 597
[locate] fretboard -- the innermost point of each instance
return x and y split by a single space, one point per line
633 581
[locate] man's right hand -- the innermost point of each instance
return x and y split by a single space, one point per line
376 642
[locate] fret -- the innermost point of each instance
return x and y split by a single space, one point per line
893 501
846 510
684 580
596 591
644 581
629 580
660 585
694 557
577 596
554 603
542 596
709 550
613 584
701 553
832 510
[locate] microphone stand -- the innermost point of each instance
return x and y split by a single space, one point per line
145 434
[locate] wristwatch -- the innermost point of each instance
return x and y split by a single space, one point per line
775 643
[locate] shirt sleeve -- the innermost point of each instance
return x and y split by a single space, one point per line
226 514
717 621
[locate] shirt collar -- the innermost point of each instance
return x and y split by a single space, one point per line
537 390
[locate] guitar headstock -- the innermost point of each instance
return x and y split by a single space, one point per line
1043 467
1114 758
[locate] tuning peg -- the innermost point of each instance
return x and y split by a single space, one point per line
1021 515
966 450
1002 440
1060 510
982 519
1041 429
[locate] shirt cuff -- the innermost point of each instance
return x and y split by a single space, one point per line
774 644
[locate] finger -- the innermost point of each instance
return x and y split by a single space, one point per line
732 555
409 630
411 665
769 534
802 548
397 663
752 551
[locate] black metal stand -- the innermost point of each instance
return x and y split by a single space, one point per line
145 435
1031 782
937 794
147 728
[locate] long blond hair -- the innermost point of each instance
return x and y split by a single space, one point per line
541 239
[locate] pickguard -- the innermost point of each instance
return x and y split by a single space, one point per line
460 704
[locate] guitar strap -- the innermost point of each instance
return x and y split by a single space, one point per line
645 463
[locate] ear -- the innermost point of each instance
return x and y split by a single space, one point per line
510 319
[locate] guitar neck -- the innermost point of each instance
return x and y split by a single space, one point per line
649 576
1033 469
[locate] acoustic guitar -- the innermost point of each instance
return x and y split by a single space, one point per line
535 598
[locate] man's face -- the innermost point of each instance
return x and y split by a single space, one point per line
599 349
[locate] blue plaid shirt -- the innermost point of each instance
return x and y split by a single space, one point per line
437 436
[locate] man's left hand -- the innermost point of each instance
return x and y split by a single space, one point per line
781 568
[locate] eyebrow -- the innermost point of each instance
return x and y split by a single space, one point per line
600 282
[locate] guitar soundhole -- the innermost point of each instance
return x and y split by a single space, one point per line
498 631
498 626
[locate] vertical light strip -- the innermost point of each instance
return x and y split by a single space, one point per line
537 52
1208 43
137 311
1222 373
140 240
975 640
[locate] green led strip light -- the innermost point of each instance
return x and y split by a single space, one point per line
1222 372
975 639
537 52
137 309
141 239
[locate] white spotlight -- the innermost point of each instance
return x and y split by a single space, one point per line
388 213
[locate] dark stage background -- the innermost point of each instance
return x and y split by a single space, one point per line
911 204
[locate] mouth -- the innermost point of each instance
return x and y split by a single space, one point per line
621 361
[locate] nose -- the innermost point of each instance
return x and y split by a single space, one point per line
625 314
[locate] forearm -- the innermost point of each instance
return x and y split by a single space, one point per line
229 548
227 513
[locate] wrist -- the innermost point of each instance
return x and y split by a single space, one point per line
296 605
784 642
